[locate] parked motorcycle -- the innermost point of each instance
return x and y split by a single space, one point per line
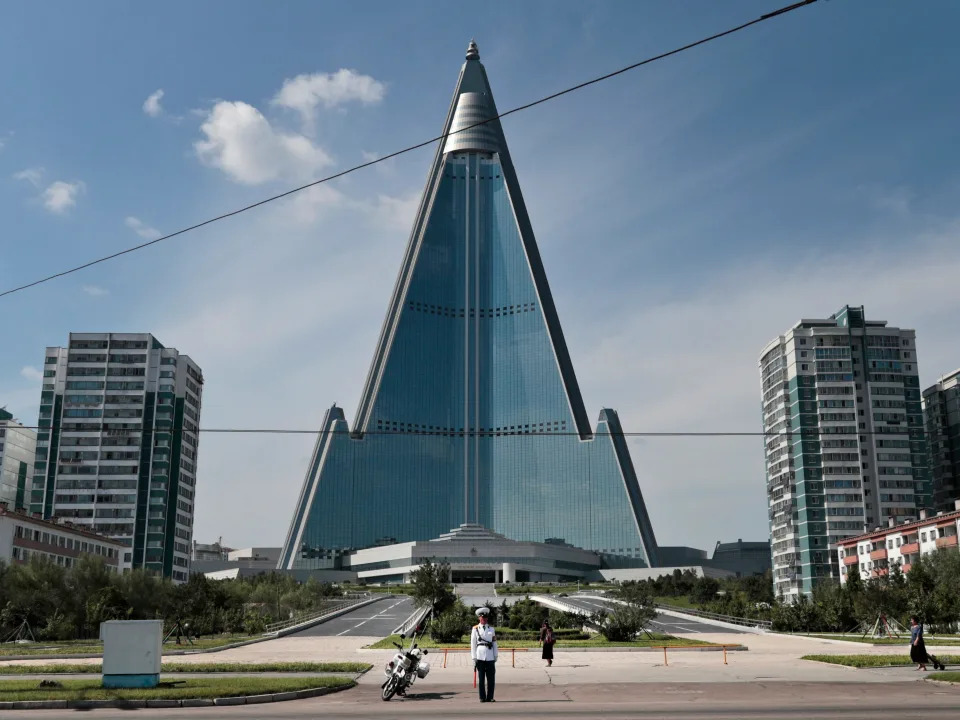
405 668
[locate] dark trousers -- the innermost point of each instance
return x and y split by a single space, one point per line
486 678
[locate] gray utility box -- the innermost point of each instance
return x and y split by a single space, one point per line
132 651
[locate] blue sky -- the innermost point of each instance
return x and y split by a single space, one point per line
687 212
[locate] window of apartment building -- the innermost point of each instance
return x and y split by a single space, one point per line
803 366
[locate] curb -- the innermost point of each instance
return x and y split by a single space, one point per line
705 648
940 682
187 703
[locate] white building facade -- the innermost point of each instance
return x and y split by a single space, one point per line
117 445
875 554
844 440
23 538
18 445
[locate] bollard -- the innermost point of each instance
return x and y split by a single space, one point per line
513 658
665 655
724 654
445 657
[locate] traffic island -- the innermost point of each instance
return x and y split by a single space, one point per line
876 661
193 692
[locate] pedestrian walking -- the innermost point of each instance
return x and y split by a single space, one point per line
918 648
548 639
483 650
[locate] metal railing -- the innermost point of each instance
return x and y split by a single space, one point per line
341 604
733 620
417 617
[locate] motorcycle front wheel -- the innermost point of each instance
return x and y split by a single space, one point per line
390 688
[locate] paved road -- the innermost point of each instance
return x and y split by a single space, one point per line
662 623
375 620
685 701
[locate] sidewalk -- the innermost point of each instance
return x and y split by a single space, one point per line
770 658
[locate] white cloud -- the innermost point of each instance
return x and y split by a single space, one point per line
397 212
690 365
95 290
31 373
30 175
305 93
151 106
241 141
60 196
142 229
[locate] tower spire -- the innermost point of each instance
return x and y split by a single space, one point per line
473 52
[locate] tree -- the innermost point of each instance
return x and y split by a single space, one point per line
452 624
430 588
527 615
704 590
625 622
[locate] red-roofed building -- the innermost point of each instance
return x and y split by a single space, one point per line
876 553
23 537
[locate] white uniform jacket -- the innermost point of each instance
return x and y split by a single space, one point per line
483 643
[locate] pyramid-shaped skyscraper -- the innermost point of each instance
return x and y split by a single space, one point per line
471 411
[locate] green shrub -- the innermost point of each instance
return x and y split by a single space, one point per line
452 624
625 623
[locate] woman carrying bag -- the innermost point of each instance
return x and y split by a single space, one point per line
918 648
548 639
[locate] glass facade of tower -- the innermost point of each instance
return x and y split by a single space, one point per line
471 412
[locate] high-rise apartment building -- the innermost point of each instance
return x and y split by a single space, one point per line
845 448
117 445
17 448
941 411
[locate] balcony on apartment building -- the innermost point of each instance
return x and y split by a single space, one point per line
947 541
879 553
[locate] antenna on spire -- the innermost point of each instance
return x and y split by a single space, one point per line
473 52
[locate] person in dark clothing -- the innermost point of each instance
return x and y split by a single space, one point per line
548 640
918 648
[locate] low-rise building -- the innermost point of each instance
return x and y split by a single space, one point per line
876 553
251 561
212 551
23 537
743 558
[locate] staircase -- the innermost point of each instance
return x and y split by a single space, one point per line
476 592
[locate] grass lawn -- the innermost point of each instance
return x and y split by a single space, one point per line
953 677
287 667
507 643
873 661
194 688
929 640
92 647
681 602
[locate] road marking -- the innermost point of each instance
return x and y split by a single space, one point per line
380 614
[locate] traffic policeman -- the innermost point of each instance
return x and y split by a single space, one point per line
483 650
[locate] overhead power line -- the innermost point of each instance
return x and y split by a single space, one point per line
794 434
417 146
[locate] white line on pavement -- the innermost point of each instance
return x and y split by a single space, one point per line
378 615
